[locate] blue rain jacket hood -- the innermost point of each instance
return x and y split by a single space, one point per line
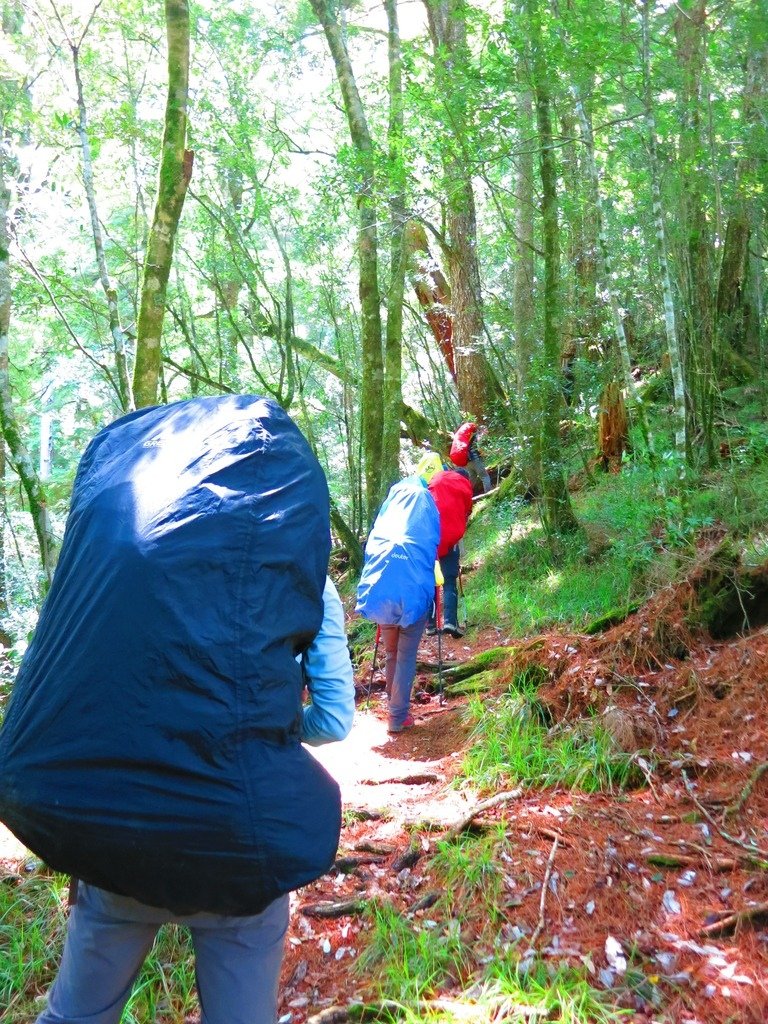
397 586
151 745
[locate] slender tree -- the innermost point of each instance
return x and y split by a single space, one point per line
697 280
175 174
119 340
670 323
476 382
557 512
368 256
523 304
18 451
393 342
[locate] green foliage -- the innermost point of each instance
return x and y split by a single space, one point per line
472 871
32 924
555 993
411 959
32 921
513 744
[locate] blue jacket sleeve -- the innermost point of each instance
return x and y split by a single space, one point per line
329 677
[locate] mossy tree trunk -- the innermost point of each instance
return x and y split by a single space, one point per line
523 291
670 321
372 384
175 174
393 339
556 510
732 307
697 282
476 383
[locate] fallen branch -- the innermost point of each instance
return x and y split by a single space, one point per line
380 849
681 860
745 794
548 833
427 900
733 919
387 1009
425 779
349 864
344 908
408 858
544 886
484 805
751 848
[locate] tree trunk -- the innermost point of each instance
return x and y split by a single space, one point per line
175 174
18 454
432 290
732 308
673 345
524 310
690 30
393 342
613 432
557 513
475 380
372 389
605 270
125 396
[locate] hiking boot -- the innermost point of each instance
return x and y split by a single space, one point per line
431 631
407 724
453 630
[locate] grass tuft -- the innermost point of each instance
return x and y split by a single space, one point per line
512 745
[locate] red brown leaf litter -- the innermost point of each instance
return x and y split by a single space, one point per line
692 708
647 875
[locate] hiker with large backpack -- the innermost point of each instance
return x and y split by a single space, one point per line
153 745
397 585
452 492
466 455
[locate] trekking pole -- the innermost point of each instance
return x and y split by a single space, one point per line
373 663
439 624
462 602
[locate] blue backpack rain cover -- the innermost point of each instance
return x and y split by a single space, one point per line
397 586
152 742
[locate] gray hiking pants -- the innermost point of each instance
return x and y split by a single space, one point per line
237 960
401 647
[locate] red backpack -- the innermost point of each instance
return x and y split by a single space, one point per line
462 439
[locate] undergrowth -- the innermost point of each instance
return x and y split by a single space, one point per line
432 968
32 924
636 537
512 743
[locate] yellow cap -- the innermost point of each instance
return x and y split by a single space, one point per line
429 464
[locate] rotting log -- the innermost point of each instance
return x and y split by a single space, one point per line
495 657
613 428
343 908
480 682
729 597
611 618
730 920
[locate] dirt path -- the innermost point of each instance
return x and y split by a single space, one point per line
641 889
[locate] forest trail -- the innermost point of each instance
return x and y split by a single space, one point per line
657 896
653 889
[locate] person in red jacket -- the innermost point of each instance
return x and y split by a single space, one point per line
452 491
464 452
